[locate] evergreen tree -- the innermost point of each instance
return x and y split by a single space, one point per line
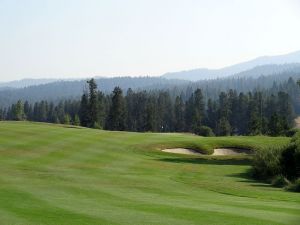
93 104
76 120
189 112
255 115
150 115
223 127
18 111
84 113
131 122
242 117
199 107
101 109
211 114
179 114
27 111
275 125
117 113
234 111
67 119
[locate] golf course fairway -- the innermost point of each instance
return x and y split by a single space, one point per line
63 175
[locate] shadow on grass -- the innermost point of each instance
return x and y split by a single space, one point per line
246 177
73 127
211 160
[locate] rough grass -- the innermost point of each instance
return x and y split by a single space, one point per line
51 174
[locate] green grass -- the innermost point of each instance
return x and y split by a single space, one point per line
58 175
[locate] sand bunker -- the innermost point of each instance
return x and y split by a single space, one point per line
182 151
217 151
231 151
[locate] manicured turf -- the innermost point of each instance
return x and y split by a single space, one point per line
51 174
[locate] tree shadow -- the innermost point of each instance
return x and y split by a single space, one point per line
245 177
209 161
72 127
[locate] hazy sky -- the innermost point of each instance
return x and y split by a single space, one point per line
83 38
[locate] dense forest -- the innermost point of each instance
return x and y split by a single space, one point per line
267 111
66 90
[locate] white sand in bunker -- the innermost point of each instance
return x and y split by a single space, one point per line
182 151
231 151
217 151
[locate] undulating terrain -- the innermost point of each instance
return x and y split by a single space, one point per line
55 174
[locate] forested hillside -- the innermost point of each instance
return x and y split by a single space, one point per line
64 90
268 111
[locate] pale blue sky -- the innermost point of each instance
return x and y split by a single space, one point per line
84 38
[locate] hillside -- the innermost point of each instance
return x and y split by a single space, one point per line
25 83
204 73
269 70
61 90
66 175
73 89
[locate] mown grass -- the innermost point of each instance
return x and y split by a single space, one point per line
52 174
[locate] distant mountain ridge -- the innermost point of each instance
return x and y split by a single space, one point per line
203 73
25 83
270 69
70 89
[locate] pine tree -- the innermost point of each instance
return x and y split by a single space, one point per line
27 111
18 111
199 107
275 125
285 110
150 115
255 115
131 123
179 114
189 112
101 109
223 127
67 119
76 120
117 113
234 111
84 113
93 104
211 114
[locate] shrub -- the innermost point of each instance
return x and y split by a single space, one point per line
291 132
204 131
290 159
266 163
281 164
294 186
279 181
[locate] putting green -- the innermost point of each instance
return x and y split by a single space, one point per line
51 174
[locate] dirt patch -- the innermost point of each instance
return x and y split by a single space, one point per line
217 151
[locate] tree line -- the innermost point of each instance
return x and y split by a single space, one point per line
64 90
231 113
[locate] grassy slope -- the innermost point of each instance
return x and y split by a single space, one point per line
56 175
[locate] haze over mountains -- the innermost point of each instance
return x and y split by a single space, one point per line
265 65
25 83
260 72
203 73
